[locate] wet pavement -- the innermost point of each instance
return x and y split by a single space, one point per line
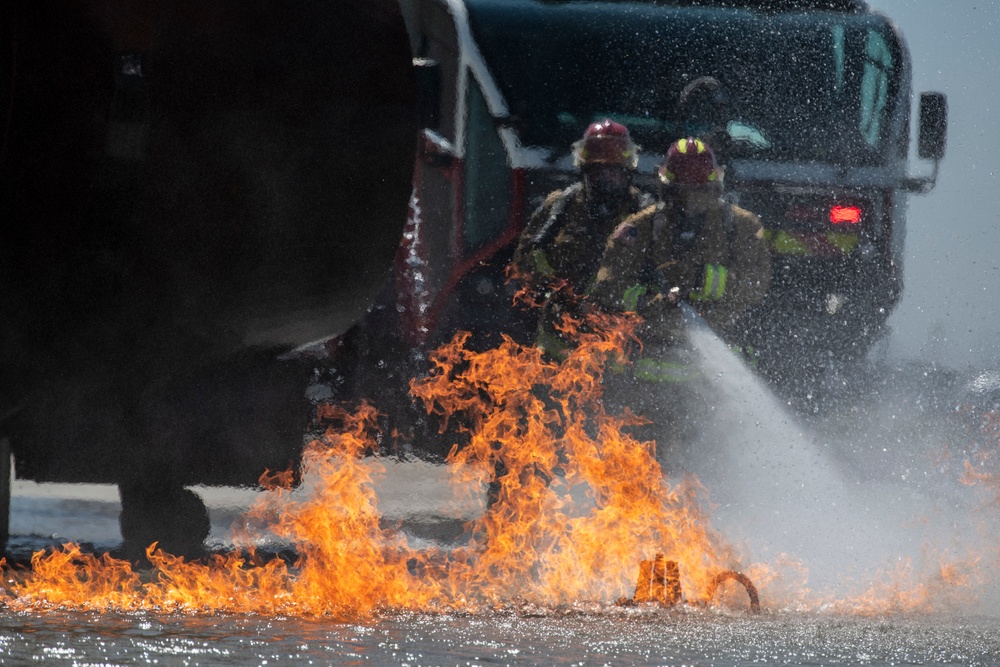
557 637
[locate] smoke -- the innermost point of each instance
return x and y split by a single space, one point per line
829 495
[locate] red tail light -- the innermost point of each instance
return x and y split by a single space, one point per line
845 214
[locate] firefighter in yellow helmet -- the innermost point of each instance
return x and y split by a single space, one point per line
564 240
690 247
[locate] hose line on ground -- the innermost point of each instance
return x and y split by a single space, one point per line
726 575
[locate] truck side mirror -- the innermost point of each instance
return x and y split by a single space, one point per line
427 75
933 126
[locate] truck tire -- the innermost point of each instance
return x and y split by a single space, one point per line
165 513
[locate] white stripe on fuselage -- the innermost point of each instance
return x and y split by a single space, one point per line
471 60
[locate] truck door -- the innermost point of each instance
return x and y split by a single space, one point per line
461 212
477 297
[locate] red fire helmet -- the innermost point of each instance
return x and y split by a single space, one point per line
690 162
606 142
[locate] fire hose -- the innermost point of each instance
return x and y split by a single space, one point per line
743 579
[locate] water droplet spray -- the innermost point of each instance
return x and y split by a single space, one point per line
780 487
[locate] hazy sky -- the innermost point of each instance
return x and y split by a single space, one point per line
952 267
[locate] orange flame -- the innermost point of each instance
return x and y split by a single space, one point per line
949 585
578 504
543 425
982 470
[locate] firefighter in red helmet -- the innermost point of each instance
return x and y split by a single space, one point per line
689 247
564 239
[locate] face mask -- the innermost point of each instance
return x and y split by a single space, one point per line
606 183
693 199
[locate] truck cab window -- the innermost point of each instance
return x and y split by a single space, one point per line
794 81
839 57
874 87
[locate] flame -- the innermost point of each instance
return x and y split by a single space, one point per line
984 467
950 584
542 424
347 567
578 504
70 577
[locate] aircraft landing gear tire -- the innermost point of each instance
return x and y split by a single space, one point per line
168 514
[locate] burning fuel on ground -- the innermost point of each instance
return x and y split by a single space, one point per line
578 513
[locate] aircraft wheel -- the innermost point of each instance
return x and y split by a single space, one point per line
168 514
